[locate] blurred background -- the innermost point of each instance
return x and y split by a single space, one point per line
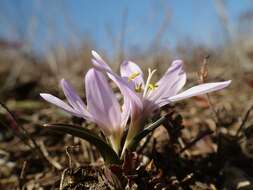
42 41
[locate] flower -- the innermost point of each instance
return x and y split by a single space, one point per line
153 95
102 107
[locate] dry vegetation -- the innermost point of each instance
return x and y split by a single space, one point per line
197 148
205 143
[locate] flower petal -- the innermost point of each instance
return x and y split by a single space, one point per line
179 83
177 86
126 110
61 104
99 63
129 69
123 85
102 102
149 108
199 90
74 100
172 81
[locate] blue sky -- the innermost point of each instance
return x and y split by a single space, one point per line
45 23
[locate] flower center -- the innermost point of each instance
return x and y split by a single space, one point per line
148 86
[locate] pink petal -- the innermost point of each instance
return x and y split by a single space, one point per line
179 83
74 100
102 102
127 68
61 104
126 110
172 81
177 86
149 108
199 90
123 85
99 63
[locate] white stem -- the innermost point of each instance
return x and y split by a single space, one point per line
150 74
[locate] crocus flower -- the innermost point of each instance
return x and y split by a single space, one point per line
154 95
102 107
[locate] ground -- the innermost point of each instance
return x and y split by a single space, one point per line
205 142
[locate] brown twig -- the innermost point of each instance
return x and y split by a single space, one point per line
182 146
215 113
147 140
203 76
198 138
245 118
22 174
17 134
63 177
25 132
69 157
50 160
187 178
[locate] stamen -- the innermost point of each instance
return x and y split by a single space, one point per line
138 88
150 74
133 76
152 86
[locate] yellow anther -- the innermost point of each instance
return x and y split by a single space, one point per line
152 86
138 88
133 76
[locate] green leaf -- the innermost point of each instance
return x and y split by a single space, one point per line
144 133
109 155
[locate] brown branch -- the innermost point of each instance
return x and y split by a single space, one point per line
198 138
245 118
22 174
50 160
25 132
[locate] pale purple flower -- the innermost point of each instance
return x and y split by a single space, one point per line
102 107
154 95
163 92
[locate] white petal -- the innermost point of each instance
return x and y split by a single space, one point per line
61 104
126 110
199 90
74 100
125 87
178 85
172 81
128 68
102 102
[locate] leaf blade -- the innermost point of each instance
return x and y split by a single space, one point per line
108 154
145 132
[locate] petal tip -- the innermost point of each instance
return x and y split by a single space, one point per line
178 61
89 75
63 81
177 65
229 82
93 52
45 96
95 55
226 83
